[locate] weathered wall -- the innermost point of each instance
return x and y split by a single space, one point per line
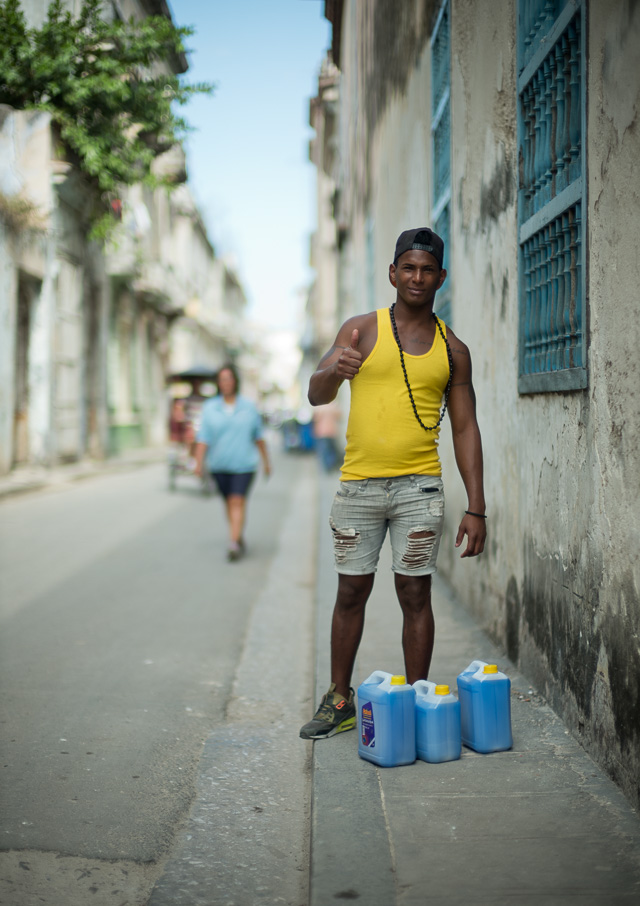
402 195
26 200
608 703
485 301
385 140
8 294
558 584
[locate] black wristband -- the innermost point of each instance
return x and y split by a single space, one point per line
479 515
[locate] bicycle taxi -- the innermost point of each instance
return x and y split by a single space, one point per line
188 391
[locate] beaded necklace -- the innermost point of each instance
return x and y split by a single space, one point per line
406 379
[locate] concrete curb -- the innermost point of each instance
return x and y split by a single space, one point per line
245 840
338 831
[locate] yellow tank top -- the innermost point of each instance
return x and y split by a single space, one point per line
384 438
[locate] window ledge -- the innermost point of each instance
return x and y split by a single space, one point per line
553 381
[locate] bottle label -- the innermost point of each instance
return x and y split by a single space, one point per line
368 726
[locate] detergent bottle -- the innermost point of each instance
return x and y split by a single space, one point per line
386 720
437 723
485 708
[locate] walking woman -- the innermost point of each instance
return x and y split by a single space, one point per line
231 444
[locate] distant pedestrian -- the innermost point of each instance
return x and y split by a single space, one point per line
404 364
230 445
325 429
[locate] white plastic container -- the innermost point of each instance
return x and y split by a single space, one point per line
386 720
485 708
437 723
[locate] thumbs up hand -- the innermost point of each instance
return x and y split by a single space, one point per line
348 365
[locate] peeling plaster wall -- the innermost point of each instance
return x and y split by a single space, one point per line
401 197
384 134
558 584
485 301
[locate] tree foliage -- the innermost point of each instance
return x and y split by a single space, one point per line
108 86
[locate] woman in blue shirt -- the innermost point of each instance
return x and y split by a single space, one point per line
230 437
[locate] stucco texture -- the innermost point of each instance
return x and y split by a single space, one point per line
559 583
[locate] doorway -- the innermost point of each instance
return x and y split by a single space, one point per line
27 289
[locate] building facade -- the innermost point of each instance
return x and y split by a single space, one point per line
89 333
512 128
321 310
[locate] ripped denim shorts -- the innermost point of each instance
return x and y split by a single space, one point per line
410 506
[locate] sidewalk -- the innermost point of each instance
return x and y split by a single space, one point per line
24 479
540 824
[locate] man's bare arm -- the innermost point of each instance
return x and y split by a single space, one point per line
341 363
467 446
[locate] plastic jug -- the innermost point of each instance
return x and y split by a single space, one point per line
437 723
386 720
485 708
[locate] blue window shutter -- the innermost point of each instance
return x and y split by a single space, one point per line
441 146
552 195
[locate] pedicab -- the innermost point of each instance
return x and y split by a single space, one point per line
188 391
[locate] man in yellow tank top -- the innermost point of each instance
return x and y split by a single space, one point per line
405 368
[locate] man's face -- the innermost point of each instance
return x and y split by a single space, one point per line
417 277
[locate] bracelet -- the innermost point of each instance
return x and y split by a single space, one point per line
479 515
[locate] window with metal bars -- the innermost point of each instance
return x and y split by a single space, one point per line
441 147
552 194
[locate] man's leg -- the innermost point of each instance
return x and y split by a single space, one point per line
358 523
414 595
337 711
347 626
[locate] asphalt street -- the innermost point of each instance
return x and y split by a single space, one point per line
132 661
152 695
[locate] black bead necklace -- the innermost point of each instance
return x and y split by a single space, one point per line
406 379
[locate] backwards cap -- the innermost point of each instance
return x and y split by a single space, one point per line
424 240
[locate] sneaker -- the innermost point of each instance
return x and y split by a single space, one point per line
234 552
335 715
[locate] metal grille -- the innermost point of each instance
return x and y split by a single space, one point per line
442 154
440 56
553 329
537 18
551 114
443 298
441 146
551 128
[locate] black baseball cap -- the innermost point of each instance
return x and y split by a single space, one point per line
423 239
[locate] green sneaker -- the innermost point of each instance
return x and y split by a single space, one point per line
335 715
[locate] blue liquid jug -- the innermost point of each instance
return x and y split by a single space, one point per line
485 708
386 720
437 723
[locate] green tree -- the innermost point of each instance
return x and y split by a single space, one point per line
103 84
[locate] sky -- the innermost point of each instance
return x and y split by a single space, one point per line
248 158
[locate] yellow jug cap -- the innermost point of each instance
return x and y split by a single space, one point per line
442 690
398 680
490 668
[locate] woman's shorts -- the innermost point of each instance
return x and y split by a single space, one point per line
411 507
233 483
